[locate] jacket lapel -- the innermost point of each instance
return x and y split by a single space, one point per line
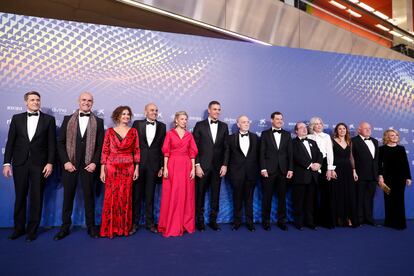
207 125
39 126
24 126
144 131
272 138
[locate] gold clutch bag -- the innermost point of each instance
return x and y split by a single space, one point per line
386 189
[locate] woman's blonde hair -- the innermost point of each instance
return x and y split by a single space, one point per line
386 140
178 114
312 123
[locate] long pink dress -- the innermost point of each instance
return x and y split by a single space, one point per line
177 213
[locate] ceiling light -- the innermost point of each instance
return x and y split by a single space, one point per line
382 27
192 21
354 1
381 15
366 7
392 21
336 4
407 38
394 33
355 14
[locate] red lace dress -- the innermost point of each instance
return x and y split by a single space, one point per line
177 212
119 157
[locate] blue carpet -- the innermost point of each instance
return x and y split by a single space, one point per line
363 251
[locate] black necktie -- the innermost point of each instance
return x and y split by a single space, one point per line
304 139
213 122
242 135
277 130
369 138
32 114
84 114
150 123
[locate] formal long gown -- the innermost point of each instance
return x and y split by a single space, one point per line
177 212
394 167
344 187
119 155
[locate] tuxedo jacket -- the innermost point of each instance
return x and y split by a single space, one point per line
210 155
302 160
273 157
80 143
42 147
238 164
150 156
366 167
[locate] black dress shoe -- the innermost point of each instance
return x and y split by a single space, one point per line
235 227
92 232
282 226
30 237
61 235
15 235
299 226
214 226
134 229
251 227
266 226
311 226
201 227
372 223
152 228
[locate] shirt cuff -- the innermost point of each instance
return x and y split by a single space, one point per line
331 167
264 170
6 164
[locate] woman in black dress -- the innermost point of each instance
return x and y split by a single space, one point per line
344 186
395 173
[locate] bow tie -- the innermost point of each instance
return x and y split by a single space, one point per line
213 122
242 135
304 139
84 114
369 138
32 114
277 130
150 123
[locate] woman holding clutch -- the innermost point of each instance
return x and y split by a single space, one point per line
395 173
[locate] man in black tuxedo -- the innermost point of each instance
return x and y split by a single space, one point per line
210 136
242 149
276 163
79 147
151 138
30 149
365 153
307 160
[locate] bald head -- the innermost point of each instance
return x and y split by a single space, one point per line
243 123
364 129
85 102
151 112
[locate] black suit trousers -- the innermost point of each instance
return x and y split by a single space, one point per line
28 179
275 182
243 191
70 181
303 203
365 200
144 189
212 180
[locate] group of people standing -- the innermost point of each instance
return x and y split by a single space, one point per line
333 179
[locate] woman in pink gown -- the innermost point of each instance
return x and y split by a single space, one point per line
177 213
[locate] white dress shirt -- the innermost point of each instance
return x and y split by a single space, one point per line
32 122
370 145
213 129
325 146
277 136
83 122
150 131
244 143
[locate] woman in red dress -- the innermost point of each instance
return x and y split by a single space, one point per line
120 158
177 213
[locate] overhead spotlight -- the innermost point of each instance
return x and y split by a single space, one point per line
354 14
393 21
382 27
366 7
354 1
381 15
407 38
338 5
394 33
